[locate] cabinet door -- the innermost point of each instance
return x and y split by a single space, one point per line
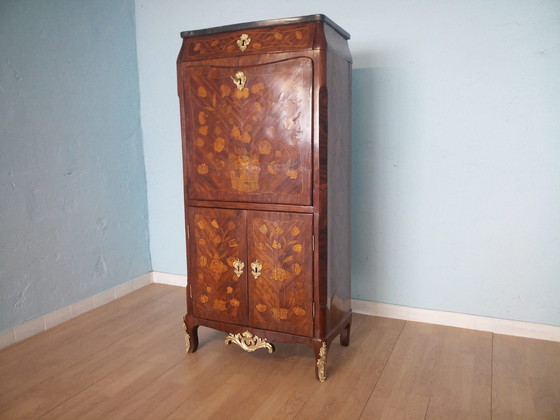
249 132
281 296
217 241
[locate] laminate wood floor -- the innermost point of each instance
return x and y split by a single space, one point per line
126 359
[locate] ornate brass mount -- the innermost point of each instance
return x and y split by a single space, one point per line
256 267
239 79
322 363
187 339
249 342
238 267
243 42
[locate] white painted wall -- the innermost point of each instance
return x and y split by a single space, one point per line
456 144
73 206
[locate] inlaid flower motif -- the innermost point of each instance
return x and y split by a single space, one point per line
263 229
260 307
292 173
203 129
220 305
242 94
215 224
265 147
201 92
257 88
202 261
295 231
202 169
297 248
296 268
229 290
219 144
280 313
202 117
244 137
279 274
225 90
203 299
276 244
234 302
299 311
218 267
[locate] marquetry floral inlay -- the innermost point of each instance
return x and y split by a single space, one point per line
253 139
282 293
218 287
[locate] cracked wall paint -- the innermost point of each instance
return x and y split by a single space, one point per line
73 206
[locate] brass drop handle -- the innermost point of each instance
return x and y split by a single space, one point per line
256 267
238 267
239 80
243 42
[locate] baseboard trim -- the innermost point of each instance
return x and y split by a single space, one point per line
170 279
52 319
452 319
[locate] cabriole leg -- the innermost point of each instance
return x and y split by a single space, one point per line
191 336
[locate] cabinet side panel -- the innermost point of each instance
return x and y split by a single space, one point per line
217 240
281 296
338 175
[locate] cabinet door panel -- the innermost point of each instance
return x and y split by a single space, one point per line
217 240
252 142
281 297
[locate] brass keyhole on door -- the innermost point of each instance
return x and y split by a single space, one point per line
243 42
256 267
239 79
238 267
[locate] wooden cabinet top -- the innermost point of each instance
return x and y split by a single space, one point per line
267 24
262 37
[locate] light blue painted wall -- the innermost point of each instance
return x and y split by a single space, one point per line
73 203
456 135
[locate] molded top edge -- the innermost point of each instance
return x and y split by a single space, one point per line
266 23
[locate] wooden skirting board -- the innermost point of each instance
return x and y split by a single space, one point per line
452 319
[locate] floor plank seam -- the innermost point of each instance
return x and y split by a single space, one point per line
132 360
79 361
96 382
492 377
427 409
383 370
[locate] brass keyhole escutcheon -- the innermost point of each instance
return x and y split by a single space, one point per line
239 79
256 267
243 42
238 267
